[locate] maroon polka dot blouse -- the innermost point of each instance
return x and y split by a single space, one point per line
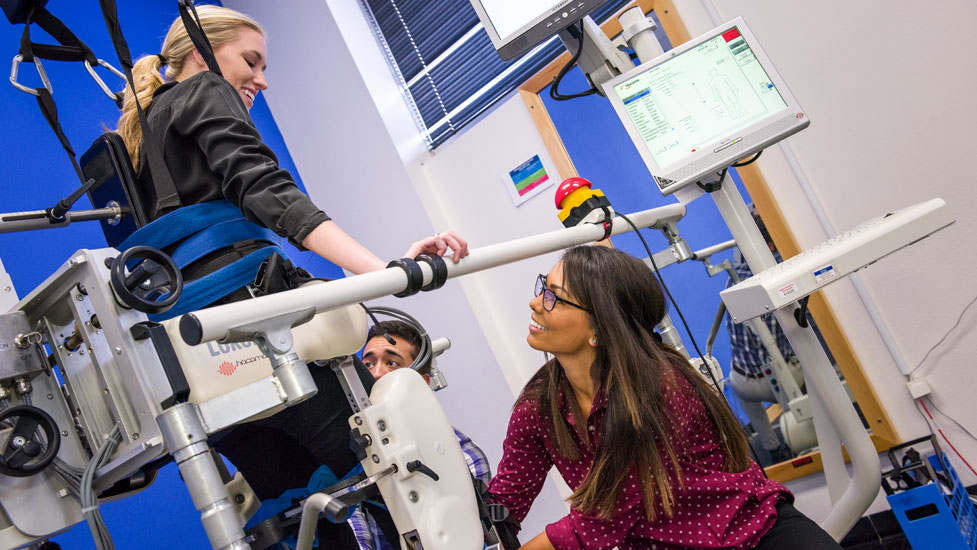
715 509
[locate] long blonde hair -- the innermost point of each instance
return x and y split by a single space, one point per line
220 24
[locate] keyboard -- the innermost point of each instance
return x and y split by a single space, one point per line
834 259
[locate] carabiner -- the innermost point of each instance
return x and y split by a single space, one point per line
40 71
101 84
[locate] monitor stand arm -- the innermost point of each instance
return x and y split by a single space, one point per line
600 61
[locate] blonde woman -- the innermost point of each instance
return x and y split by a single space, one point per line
215 153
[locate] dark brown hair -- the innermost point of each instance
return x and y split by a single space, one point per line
400 329
625 303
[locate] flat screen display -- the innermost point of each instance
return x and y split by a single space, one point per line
704 105
508 17
702 95
517 26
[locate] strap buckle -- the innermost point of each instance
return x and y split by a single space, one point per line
15 66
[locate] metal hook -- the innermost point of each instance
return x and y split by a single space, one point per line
40 71
101 84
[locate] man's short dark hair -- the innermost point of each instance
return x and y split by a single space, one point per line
400 330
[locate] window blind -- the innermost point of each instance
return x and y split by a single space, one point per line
446 63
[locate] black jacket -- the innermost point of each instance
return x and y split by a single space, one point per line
214 151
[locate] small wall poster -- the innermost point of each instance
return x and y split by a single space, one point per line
527 180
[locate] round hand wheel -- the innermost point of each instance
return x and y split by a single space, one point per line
152 285
24 454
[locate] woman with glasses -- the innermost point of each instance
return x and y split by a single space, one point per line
653 454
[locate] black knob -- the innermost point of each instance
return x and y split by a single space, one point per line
418 466
24 454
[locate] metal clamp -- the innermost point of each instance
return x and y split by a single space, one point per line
40 71
101 84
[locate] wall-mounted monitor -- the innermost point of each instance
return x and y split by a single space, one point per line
516 26
704 105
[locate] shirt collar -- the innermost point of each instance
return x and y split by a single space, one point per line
600 403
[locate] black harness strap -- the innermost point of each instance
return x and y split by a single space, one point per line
191 21
166 195
70 49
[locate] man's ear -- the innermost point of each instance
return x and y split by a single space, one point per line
427 378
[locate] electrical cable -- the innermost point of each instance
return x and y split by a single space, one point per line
89 500
945 438
554 88
688 331
945 336
954 420
750 161
425 353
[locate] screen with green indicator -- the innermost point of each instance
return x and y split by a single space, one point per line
700 97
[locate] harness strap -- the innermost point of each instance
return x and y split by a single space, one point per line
71 49
217 236
210 288
181 223
166 194
188 13
203 229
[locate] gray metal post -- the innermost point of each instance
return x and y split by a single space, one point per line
862 488
186 439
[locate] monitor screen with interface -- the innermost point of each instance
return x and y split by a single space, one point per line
517 26
704 105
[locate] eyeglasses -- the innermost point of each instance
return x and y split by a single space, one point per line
549 297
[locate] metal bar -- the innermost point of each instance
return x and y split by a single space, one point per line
821 379
704 253
214 323
39 219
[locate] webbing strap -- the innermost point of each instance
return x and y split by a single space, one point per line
166 195
210 288
191 21
71 49
218 236
182 223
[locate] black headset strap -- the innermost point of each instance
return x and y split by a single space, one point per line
166 195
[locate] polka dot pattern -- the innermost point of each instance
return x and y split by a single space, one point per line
713 508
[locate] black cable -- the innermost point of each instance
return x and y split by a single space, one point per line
665 287
554 88
688 331
751 161
383 332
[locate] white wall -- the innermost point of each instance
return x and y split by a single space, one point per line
350 162
887 88
886 85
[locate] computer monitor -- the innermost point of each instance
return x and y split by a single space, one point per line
517 26
704 105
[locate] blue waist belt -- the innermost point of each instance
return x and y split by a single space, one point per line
203 229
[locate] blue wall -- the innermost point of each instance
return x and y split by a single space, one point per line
603 153
37 173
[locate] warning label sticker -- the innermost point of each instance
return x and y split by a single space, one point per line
787 290
825 274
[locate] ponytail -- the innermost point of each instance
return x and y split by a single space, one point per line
219 24
147 77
